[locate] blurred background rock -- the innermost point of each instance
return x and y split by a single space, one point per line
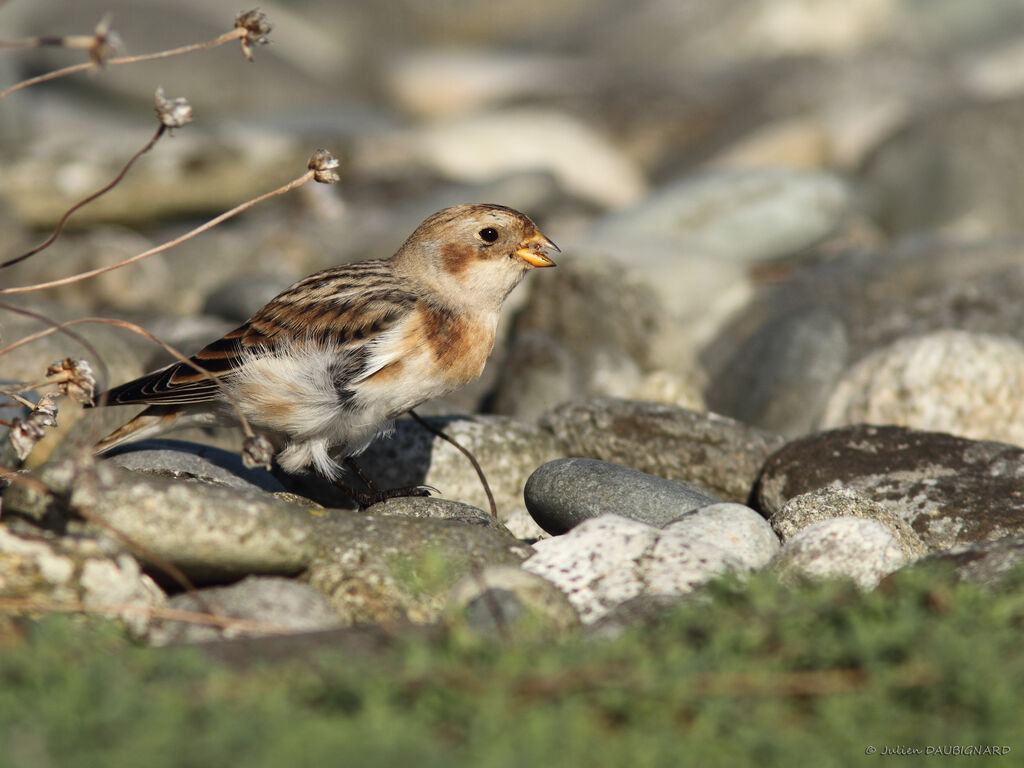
751 195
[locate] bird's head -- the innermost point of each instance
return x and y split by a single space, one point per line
474 254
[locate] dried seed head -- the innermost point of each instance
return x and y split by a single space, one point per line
23 437
105 42
74 378
324 166
173 113
45 411
256 28
257 451
25 433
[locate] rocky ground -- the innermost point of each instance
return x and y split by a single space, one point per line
781 334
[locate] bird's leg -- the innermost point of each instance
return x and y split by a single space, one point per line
364 500
361 474
376 494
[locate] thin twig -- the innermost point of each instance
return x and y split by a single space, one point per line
295 183
117 179
45 42
104 377
14 395
13 476
24 605
246 428
235 34
472 459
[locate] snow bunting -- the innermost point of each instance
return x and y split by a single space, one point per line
327 364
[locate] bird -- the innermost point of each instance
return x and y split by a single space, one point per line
331 361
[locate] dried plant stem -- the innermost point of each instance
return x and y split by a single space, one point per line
235 34
104 372
13 394
246 428
13 476
465 452
23 605
71 42
308 176
63 220
45 42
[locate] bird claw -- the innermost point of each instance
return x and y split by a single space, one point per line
367 500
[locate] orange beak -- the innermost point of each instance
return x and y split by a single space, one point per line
532 251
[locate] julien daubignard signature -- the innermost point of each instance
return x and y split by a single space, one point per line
943 749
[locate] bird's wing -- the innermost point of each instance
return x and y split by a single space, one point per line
342 309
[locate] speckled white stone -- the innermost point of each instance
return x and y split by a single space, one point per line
734 528
608 560
859 549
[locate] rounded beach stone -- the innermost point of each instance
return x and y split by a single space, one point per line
278 603
984 562
968 384
781 377
434 508
735 528
507 450
563 493
859 549
373 568
749 216
500 596
609 560
715 452
182 460
598 564
805 510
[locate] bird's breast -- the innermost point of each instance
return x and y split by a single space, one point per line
459 343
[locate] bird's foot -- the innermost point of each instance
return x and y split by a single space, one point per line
366 499
374 494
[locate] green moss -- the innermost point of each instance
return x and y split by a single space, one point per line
806 675
424 573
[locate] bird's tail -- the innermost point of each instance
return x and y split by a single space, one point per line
155 420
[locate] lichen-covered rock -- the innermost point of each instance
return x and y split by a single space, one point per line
209 532
375 569
827 503
735 528
949 489
984 562
434 508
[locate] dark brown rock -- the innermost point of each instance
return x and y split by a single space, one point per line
951 490
984 562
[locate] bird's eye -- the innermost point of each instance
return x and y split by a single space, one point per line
488 234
